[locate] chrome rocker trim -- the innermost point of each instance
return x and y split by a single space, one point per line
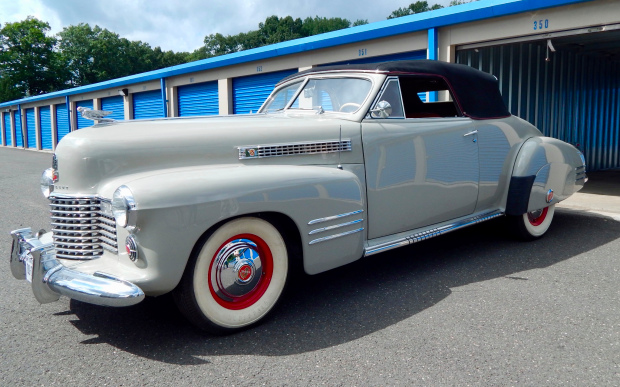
50 279
424 235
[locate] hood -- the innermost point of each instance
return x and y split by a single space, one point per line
88 157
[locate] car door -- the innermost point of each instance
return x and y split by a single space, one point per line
419 171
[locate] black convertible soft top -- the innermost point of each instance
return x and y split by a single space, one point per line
476 92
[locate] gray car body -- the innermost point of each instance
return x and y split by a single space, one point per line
401 177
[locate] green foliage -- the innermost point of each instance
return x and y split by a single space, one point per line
413 8
459 2
422 6
95 55
28 63
273 30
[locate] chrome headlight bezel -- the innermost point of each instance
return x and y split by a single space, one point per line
47 182
123 203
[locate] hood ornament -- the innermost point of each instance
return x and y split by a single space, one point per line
94 115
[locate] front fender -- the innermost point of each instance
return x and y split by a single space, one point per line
546 171
175 208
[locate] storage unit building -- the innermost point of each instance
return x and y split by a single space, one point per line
250 92
63 125
81 121
7 138
31 129
147 104
116 105
200 99
45 122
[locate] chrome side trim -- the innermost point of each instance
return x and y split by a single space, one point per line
293 149
580 174
328 218
335 236
424 235
322 229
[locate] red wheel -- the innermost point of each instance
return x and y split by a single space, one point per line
536 218
236 278
240 271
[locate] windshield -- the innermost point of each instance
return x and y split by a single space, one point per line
322 94
280 99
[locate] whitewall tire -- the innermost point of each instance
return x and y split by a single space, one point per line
533 225
235 277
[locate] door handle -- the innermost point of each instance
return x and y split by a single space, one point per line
470 133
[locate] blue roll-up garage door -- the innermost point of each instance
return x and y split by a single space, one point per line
411 55
31 128
81 121
147 104
249 93
200 99
19 135
6 118
115 105
46 127
62 121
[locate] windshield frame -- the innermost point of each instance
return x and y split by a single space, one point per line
304 82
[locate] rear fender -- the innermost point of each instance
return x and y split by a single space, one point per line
546 171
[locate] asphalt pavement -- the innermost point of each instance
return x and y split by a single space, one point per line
474 307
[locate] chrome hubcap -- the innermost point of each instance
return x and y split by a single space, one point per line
237 269
534 215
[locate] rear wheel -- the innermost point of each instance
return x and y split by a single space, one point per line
532 225
236 276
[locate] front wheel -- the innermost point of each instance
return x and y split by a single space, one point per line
236 276
532 225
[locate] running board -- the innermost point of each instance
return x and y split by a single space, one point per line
424 235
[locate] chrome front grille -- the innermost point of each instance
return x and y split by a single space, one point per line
81 230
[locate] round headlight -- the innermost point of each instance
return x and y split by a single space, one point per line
47 182
122 203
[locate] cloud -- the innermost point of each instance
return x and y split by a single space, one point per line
182 25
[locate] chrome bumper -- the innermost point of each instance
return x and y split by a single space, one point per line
33 258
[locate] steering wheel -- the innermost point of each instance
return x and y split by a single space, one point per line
349 105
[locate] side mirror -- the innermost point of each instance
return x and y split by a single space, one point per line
383 109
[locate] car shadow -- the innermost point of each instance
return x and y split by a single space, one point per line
350 302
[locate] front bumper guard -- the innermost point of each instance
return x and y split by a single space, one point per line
33 258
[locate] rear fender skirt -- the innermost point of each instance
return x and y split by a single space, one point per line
519 194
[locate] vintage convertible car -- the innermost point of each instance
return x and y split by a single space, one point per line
340 163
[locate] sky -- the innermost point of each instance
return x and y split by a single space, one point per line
181 25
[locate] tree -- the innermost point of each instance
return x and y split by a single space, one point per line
28 63
459 2
96 55
273 30
276 30
413 8
320 25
